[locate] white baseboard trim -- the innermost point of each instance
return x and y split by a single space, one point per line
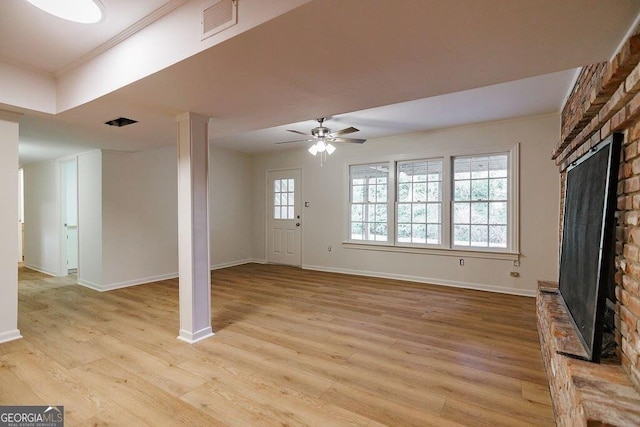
42 270
91 285
151 279
194 337
259 261
230 264
136 282
428 280
10 336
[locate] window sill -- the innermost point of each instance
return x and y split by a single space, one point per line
460 253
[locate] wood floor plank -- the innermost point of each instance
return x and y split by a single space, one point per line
387 412
468 412
225 405
273 403
114 417
466 358
292 347
158 372
49 380
367 380
15 391
151 404
220 356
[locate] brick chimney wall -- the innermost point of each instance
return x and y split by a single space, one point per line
606 99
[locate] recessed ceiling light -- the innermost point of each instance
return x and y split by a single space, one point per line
82 11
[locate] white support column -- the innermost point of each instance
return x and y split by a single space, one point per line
9 128
193 227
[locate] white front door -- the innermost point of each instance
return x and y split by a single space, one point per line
284 217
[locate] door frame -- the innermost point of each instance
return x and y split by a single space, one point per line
267 211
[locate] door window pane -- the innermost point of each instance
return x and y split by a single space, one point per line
283 199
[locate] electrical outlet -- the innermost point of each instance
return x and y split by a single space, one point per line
461 261
514 274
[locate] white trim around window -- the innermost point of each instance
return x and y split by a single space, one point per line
446 246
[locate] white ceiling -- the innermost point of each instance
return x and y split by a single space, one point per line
38 41
383 66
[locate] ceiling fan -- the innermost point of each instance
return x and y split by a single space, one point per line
323 137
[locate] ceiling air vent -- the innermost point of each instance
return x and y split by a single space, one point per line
120 122
220 15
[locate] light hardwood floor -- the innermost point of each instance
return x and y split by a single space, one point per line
292 347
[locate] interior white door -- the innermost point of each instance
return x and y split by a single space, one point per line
71 213
72 247
284 222
20 215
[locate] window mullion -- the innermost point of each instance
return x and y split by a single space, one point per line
447 202
365 211
391 204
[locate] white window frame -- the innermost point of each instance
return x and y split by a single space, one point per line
470 202
396 202
512 252
390 196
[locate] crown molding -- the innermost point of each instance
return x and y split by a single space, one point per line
122 36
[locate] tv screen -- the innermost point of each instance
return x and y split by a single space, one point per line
588 239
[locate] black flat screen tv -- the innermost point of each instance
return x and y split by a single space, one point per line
588 240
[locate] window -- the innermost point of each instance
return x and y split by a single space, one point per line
368 202
465 202
419 207
284 200
480 201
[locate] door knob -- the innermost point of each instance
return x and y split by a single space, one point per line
297 224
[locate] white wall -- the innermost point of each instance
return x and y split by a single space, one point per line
229 207
27 89
90 219
8 219
140 216
324 222
42 217
127 215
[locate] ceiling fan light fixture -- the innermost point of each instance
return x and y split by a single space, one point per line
80 11
322 138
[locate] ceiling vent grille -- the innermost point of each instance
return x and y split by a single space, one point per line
120 122
219 16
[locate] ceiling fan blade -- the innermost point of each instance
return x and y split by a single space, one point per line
344 131
298 132
297 140
351 140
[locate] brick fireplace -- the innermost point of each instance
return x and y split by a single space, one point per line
604 100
